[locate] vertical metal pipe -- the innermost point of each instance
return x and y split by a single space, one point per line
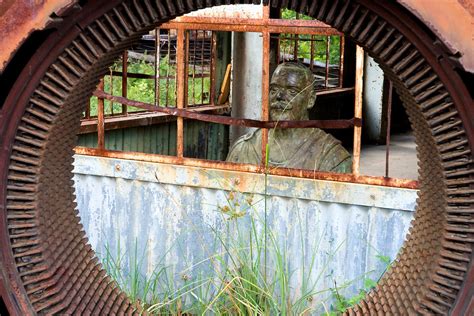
265 91
265 83
111 90
296 36
88 109
194 67
341 60
328 57
359 81
213 57
168 69
100 118
186 66
157 66
181 86
124 80
203 47
311 66
295 48
389 123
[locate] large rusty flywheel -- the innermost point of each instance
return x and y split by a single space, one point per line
48 265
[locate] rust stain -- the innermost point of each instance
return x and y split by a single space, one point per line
468 5
221 165
18 19
227 120
452 21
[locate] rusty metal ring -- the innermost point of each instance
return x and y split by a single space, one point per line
47 265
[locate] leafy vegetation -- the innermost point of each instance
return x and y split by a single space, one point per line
140 89
287 45
342 303
250 274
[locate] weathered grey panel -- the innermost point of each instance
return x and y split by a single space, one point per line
168 210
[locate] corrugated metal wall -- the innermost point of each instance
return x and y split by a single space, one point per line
175 212
201 139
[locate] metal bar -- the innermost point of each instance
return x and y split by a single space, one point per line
168 69
111 90
328 56
202 65
133 75
88 109
181 92
213 74
229 26
221 165
296 37
265 92
100 118
144 76
157 65
194 67
311 39
266 21
341 60
278 52
145 118
187 36
295 47
311 66
226 120
124 79
389 122
358 109
175 63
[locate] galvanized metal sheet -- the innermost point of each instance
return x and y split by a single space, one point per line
173 214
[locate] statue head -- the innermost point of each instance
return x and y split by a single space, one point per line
292 92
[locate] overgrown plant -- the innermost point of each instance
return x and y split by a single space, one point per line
248 276
251 274
342 303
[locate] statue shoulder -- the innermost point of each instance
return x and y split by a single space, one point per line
243 148
334 156
246 137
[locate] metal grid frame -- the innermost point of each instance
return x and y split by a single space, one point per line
266 27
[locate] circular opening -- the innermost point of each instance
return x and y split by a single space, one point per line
56 270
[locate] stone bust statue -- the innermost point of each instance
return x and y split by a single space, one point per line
291 96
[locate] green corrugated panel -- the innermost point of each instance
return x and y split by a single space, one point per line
201 140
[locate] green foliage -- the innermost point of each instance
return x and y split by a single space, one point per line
243 281
143 90
304 43
342 303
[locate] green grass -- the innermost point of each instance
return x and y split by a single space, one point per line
250 272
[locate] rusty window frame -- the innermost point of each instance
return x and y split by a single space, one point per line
266 26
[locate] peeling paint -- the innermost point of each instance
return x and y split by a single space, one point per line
168 210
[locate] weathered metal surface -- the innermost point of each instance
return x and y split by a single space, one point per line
227 120
252 25
201 139
169 210
339 177
452 21
434 272
18 19
36 16
144 118
100 119
358 90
